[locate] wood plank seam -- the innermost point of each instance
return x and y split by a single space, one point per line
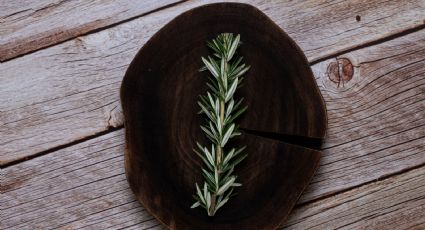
406 170
371 43
45 152
20 54
385 190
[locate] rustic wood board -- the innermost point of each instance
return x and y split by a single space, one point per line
394 203
393 139
84 186
73 89
31 25
388 141
376 124
69 92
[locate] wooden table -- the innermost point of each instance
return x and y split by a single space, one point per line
61 124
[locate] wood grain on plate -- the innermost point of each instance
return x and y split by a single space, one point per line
73 89
159 94
84 186
31 25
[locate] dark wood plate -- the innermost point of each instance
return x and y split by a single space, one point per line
159 94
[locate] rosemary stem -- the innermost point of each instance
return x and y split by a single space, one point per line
219 149
218 163
212 207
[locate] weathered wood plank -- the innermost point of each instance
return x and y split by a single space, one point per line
73 89
394 203
80 186
387 134
84 186
376 124
30 25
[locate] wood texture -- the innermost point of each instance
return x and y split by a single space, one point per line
77 183
84 186
376 124
73 89
159 94
383 135
394 203
31 25
388 141
61 94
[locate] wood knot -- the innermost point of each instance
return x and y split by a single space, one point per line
340 71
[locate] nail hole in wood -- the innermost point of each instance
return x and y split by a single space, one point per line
358 18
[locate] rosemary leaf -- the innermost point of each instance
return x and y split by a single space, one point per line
196 204
225 186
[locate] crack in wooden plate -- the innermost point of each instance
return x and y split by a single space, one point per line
285 113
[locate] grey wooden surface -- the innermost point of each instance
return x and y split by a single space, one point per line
61 127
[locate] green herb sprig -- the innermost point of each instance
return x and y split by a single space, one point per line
221 110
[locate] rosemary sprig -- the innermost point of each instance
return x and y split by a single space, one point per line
221 110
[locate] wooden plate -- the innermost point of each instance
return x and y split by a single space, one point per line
159 94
